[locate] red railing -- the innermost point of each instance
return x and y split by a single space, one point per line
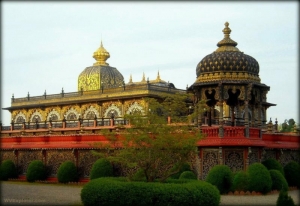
234 132
210 131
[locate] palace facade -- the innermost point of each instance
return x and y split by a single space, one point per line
65 126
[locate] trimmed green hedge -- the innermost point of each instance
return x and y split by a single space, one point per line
188 175
220 176
36 171
240 181
292 174
110 191
284 199
7 170
101 168
184 167
273 164
278 181
259 178
67 172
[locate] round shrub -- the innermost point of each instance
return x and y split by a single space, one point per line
240 181
67 172
35 171
101 168
284 199
259 178
292 173
273 164
109 191
188 175
184 167
278 181
221 177
7 170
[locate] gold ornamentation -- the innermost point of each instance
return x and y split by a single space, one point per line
101 55
89 79
227 44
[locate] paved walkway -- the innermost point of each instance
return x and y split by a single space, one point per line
23 193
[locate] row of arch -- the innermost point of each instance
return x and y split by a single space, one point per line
73 114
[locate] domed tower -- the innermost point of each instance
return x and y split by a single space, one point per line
100 75
228 80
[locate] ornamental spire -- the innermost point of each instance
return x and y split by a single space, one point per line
144 79
101 55
227 44
158 76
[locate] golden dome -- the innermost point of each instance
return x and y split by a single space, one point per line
100 75
101 55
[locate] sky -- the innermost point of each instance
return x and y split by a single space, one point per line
46 45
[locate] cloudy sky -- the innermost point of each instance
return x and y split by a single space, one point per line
46 45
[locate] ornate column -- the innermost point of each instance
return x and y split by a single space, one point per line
259 123
246 119
220 156
221 121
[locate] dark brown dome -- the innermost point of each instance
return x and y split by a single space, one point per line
231 61
227 63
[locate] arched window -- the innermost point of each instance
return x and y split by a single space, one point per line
54 117
20 119
71 116
90 115
36 118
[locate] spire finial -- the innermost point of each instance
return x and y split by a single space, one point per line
158 76
143 80
227 44
101 55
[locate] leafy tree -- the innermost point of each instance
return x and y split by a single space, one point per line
288 125
152 145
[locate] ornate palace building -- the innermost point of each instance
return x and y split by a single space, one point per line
59 127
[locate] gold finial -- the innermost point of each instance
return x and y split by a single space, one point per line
158 76
130 79
143 80
227 44
101 55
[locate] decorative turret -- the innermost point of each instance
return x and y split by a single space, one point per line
227 63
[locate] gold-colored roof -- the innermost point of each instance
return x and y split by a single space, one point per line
101 55
100 75
227 44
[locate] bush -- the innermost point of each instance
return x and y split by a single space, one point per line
221 177
273 164
184 167
284 200
188 175
259 178
240 181
292 174
278 181
67 172
7 170
101 168
139 176
35 171
108 191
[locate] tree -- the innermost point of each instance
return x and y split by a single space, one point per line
152 145
288 125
